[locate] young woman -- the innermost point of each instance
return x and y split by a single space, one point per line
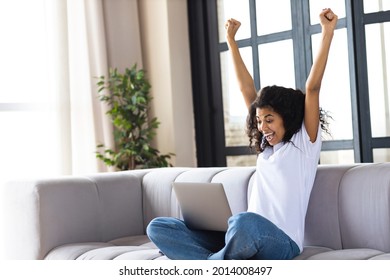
284 126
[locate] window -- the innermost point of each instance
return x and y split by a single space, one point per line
287 33
27 143
371 42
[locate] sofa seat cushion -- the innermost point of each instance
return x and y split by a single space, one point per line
381 257
323 253
349 254
127 248
309 251
140 248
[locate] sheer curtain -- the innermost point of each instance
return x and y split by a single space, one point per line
50 116
77 38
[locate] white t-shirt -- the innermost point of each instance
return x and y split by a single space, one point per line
284 179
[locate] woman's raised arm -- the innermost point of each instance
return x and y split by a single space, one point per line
245 80
313 84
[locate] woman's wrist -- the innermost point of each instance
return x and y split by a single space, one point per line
327 34
231 42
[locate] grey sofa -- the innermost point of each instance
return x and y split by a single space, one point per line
103 216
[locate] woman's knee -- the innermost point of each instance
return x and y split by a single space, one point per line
244 218
156 225
162 224
250 223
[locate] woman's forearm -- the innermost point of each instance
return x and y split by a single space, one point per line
244 78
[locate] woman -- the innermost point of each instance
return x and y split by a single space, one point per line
284 125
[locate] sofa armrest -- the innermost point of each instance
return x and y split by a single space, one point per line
43 214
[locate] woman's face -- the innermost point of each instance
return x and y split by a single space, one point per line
270 124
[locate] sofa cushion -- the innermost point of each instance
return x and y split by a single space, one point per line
140 248
158 197
310 251
322 226
364 207
347 254
127 248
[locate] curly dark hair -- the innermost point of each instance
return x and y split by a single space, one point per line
289 104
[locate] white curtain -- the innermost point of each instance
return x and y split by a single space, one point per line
78 56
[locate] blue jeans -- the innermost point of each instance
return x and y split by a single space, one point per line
249 236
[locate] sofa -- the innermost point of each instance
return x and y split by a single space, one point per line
104 216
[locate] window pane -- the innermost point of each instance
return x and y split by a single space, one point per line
337 6
378 63
273 16
234 107
238 10
23 52
371 6
381 155
337 157
335 94
249 160
277 64
29 149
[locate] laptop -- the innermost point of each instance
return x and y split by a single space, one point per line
204 205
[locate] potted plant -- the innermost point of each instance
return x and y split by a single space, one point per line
128 98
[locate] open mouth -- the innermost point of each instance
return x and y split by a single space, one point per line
269 136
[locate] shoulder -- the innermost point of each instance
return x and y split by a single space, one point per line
301 139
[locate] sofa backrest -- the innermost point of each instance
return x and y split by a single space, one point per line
364 207
49 212
322 227
350 207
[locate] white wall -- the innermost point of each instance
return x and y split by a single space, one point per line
154 34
